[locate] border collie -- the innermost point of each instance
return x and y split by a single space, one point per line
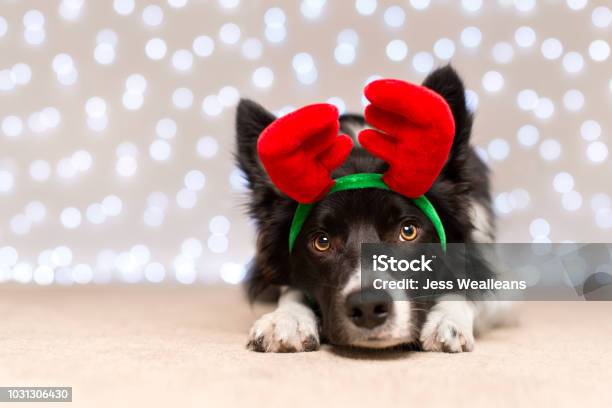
317 301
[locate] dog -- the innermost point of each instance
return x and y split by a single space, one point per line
318 299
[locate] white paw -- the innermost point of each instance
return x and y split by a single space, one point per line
442 332
286 330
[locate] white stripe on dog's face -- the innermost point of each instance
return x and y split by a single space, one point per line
398 329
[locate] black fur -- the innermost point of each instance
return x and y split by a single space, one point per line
356 216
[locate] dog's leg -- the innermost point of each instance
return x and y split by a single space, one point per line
449 326
292 327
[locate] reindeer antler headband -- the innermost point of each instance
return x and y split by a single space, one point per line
413 133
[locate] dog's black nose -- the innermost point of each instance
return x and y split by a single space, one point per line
368 308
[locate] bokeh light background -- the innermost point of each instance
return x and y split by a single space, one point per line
117 119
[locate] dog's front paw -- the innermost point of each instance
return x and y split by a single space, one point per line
285 331
443 333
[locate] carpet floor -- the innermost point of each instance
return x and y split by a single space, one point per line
185 347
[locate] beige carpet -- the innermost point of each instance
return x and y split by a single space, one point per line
184 347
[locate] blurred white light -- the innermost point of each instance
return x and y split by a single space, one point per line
153 217
95 107
503 52
563 182
545 108
212 106
155 272
423 62
69 78
33 19
107 36
520 198
182 60
550 149
70 217
156 48
597 152
600 201
527 99
492 81
157 199
251 48
22 272
184 270
81 160
601 17
12 126
50 117
203 46
577 4
551 48
35 123
263 77
123 7
338 103
524 5
603 218
471 37
22 73
444 48
573 62
344 54
182 98
186 199
166 128
590 130
141 254
471 5
152 15
7 80
275 34
217 243
112 206
20 224
420 4
219 224
365 7
97 124
191 248
104 54
35 211
348 36
132 100
82 274
232 273
302 62
160 150
571 201
394 16
6 181
471 100
195 180
573 100
308 77
34 36
498 149
40 170
3 26
229 33
43 275
275 16
525 36
312 8
177 3
599 50
228 96
8 256
95 213
397 50
126 149
539 228
126 166
207 147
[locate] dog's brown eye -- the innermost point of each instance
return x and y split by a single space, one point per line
321 243
408 232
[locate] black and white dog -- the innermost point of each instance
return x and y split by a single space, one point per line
330 280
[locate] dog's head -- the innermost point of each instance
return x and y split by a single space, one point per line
324 262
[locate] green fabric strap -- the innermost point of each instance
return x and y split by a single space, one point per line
364 180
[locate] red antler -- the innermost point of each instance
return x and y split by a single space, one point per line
415 133
300 150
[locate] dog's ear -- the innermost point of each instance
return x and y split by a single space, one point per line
446 82
271 210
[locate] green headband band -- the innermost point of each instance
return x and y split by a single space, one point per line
358 181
